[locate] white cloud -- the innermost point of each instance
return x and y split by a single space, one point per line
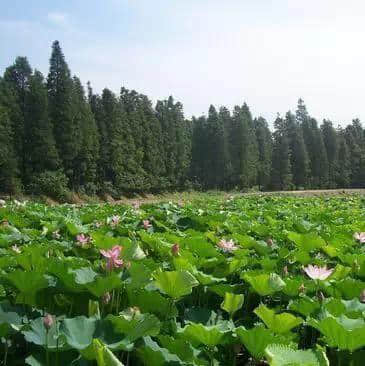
58 19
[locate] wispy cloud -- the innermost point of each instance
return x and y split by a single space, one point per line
59 19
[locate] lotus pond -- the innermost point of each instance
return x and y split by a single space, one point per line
261 280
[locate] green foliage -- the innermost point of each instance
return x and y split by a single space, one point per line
195 307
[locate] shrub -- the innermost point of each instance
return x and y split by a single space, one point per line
52 184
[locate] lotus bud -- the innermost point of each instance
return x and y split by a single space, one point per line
48 321
269 242
106 298
321 297
285 271
362 296
16 249
135 310
175 250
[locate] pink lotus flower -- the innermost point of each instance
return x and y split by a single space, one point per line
83 240
318 273
146 224
106 298
48 321
175 250
113 221
227 246
16 249
112 257
360 237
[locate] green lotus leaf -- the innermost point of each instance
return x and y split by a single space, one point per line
152 354
304 305
232 303
264 284
281 355
200 247
40 336
135 326
28 282
152 302
306 242
206 279
103 241
343 333
183 349
222 288
80 331
74 227
62 358
102 354
83 275
101 285
340 272
349 288
211 336
278 323
257 339
175 283
10 320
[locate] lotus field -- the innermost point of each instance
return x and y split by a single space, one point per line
255 280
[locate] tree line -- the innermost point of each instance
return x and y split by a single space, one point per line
57 137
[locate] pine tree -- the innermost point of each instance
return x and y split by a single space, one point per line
64 117
298 152
331 145
243 148
215 150
199 151
281 176
85 168
17 77
225 120
354 135
40 148
343 177
264 143
9 181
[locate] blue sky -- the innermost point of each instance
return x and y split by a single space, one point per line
267 53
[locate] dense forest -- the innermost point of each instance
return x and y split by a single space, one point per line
57 137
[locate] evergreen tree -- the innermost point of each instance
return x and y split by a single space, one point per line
199 151
85 169
17 78
215 150
354 135
40 148
243 148
298 152
264 143
63 115
281 176
225 120
9 181
343 177
331 145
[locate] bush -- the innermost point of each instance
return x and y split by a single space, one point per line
52 184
